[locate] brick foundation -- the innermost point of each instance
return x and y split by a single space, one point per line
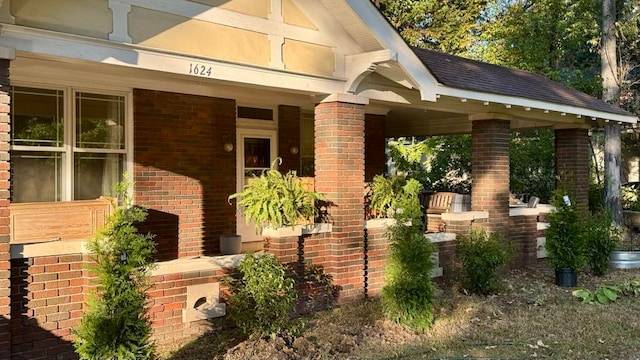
339 159
572 163
182 170
47 299
490 162
5 309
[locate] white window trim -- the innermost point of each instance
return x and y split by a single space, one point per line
69 119
254 123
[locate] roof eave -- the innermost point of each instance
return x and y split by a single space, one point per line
407 59
511 101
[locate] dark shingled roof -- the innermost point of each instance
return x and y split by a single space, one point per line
461 73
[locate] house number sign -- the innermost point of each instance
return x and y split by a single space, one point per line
199 69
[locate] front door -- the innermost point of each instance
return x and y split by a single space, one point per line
256 150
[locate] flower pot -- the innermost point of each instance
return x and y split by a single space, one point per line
566 277
230 244
625 259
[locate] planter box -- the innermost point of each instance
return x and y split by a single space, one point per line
625 259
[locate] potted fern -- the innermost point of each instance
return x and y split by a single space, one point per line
275 200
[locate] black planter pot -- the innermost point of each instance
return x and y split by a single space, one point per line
566 277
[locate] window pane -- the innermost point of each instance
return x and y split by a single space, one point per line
257 153
95 174
99 121
37 117
36 176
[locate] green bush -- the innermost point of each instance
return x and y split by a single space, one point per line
407 297
481 256
116 325
565 240
601 238
262 298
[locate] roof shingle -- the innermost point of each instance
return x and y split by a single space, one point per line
461 73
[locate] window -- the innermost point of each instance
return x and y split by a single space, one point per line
65 144
307 142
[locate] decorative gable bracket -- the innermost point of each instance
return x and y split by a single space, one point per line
359 66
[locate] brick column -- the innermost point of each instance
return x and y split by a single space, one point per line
490 171
6 55
374 146
289 137
572 163
339 164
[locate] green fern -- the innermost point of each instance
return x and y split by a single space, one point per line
275 200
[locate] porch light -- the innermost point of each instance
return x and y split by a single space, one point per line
463 100
486 103
294 150
563 114
546 111
527 109
579 116
594 118
228 147
606 120
508 106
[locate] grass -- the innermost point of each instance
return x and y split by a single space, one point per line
530 318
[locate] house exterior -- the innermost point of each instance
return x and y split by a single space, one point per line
191 98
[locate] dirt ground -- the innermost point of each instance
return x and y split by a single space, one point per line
530 318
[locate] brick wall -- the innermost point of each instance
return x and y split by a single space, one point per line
523 234
47 299
490 162
572 163
288 137
374 146
377 245
181 167
339 159
167 299
5 310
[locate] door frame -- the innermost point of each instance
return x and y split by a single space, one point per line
248 231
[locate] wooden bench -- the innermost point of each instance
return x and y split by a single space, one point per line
444 202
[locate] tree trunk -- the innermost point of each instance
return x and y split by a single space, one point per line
611 94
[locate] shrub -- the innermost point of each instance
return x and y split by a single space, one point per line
481 256
408 296
601 238
116 326
565 240
262 298
383 194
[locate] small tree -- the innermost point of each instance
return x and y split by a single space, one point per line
408 296
481 256
116 325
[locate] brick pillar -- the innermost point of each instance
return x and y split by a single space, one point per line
339 163
289 137
490 171
572 163
6 55
374 146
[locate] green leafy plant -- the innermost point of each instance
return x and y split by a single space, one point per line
604 294
275 200
481 257
116 325
262 298
407 297
601 238
631 287
383 194
565 240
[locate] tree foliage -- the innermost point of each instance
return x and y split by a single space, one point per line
448 26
